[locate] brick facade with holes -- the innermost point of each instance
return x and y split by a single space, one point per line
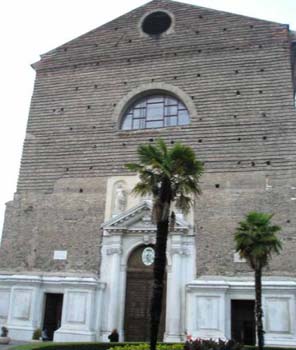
238 73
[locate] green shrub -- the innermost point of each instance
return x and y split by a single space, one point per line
177 346
37 334
71 346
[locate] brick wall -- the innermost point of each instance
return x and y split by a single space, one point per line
237 72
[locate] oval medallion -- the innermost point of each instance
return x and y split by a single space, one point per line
148 256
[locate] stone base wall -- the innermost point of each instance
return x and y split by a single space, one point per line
209 307
22 305
206 308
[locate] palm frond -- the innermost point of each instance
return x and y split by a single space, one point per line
256 240
183 202
134 167
187 185
162 146
142 189
169 174
149 155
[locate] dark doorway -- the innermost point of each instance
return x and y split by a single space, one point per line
52 314
243 321
138 293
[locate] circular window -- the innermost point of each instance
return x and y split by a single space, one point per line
156 23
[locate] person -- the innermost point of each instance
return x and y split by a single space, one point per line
4 332
114 336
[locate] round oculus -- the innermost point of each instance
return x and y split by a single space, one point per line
148 256
156 23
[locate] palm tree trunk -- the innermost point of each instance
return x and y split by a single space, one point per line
258 308
159 272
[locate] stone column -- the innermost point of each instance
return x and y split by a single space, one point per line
182 270
110 276
174 300
175 297
113 317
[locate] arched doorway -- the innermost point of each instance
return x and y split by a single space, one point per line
138 294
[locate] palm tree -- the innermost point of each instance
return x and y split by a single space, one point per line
169 175
256 241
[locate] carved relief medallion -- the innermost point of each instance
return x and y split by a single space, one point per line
148 256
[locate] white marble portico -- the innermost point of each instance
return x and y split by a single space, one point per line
121 235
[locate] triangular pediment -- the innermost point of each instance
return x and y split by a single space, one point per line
121 38
138 219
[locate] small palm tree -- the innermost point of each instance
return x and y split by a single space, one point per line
256 241
169 175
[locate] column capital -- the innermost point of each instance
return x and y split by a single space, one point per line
112 251
180 251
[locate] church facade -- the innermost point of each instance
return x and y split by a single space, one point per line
76 255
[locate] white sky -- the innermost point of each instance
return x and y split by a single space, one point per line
29 28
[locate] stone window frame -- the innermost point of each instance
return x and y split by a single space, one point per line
151 89
155 111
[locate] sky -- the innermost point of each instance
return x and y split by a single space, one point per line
29 28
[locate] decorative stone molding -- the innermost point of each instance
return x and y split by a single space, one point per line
112 251
180 251
138 220
35 280
149 239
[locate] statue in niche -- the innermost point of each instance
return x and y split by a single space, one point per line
120 199
268 185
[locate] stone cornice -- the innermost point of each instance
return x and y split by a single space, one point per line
32 280
240 284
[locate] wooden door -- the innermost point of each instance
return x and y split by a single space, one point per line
138 294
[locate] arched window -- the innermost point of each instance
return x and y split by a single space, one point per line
155 111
